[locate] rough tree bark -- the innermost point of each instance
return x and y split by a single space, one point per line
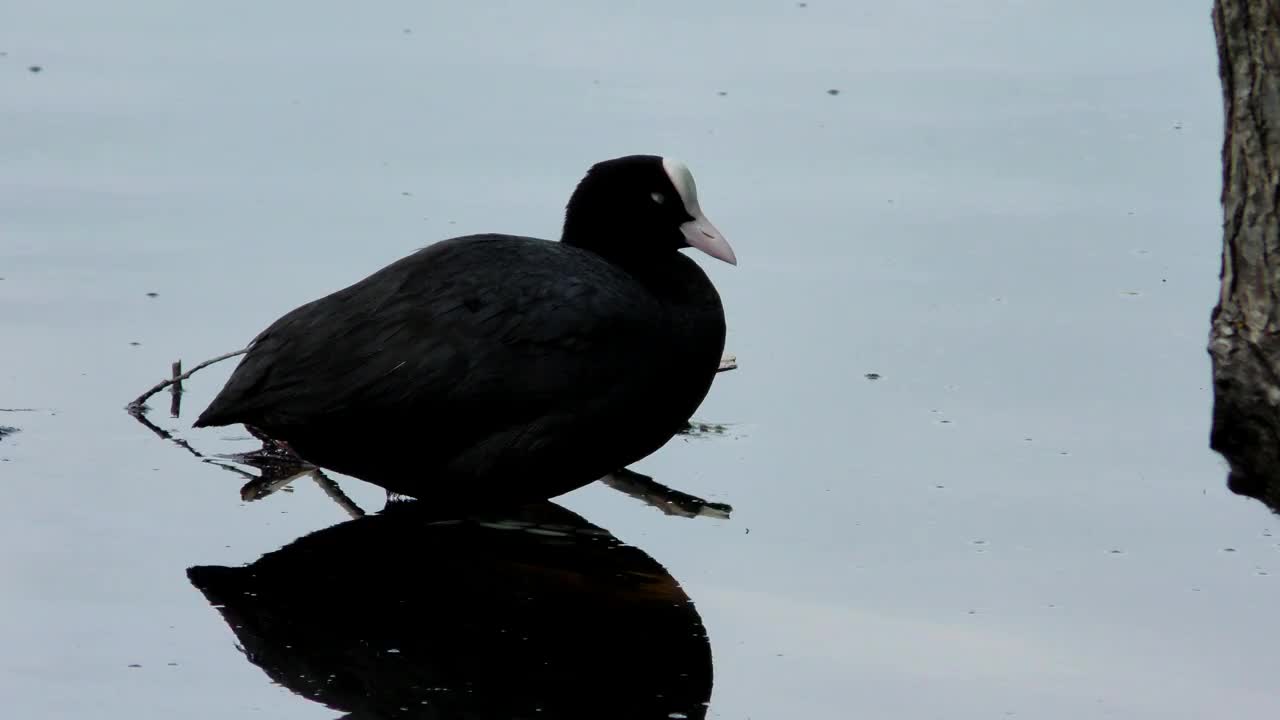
1244 342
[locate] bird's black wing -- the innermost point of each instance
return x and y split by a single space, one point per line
474 334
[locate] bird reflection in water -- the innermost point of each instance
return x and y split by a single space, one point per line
526 613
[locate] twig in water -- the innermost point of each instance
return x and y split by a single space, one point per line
139 405
175 401
141 417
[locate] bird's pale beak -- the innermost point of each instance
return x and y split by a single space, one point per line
701 234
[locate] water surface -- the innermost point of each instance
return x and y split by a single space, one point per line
1008 212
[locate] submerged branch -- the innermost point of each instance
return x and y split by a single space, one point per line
139 405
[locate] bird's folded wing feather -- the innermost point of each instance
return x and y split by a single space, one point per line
514 339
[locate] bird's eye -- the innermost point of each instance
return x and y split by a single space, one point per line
658 197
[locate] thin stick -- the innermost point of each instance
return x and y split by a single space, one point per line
137 406
728 362
165 434
175 402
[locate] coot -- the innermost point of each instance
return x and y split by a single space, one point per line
497 367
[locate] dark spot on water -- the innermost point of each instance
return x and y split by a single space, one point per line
134 665
1228 549
803 5
135 344
1116 551
945 422
406 193
172 664
833 91
35 68
407 31
5 431
979 542
722 93
872 376
153 295
1177 126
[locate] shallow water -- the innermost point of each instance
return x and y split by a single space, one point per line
1008 212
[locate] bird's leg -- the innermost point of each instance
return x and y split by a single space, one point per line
671 502
273 478
335 493
272 446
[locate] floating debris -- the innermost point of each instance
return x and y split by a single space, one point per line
872 376
702 429
833 91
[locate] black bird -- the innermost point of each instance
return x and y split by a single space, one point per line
503 368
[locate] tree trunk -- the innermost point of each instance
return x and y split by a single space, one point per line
1244 343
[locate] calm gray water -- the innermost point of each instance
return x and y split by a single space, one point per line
1009 211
